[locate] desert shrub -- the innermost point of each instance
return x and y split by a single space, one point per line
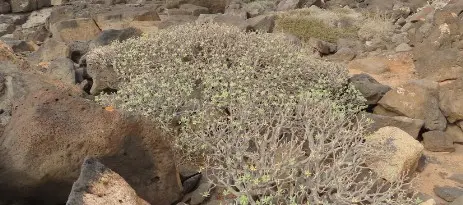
269 123
327 25
377 25
302 153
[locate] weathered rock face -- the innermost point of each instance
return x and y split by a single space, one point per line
371 89
404 153
438 141
99 185
4 7
289 4
51 49
263 23
415 101
456 132
436 42
371 65
214 6
448 193
144 18
50 134
450 98
108 36
28 5
82 29
410 126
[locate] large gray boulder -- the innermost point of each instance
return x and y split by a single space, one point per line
99 185
371 89
52 131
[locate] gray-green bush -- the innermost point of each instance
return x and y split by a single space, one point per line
270 124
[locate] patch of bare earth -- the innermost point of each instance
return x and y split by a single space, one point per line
440 166
401 69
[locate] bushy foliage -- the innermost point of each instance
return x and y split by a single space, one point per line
327 25
270 124
377 25
303 153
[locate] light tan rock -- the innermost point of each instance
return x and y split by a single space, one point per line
81 29
403 153
143 18
99 185
456 132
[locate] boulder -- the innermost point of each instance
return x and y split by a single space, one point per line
410 126
403 152
457 178
403 47
61 69
36 34
344 54
322 47
438 141
380 110
104 77
143 18
194 10
37 18
19 45
58 2
50 50
6 28
99 185
415 101
450 98
4 7
81 29
457 201
197 197
235 8
214 6
108 36
18 6
289 5
263 23
370 65
371 89
191 183
17 80
256 8
456 132
446 74
52 131
448 193
429 202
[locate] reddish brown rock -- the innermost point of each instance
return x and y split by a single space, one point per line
50 134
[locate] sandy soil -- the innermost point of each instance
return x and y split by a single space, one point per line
440 166
402 69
